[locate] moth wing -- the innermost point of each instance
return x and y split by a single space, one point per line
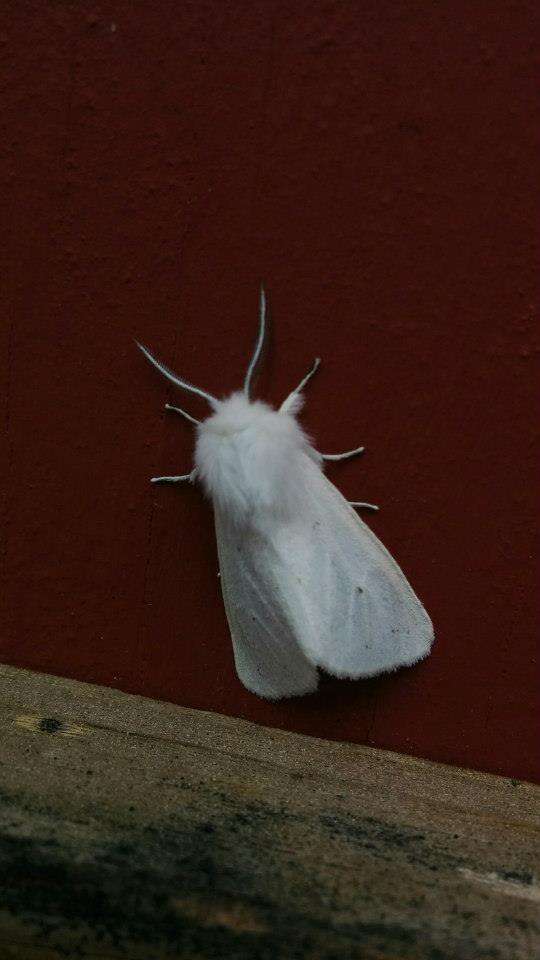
351 608
268 658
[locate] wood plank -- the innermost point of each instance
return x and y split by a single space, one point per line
134 828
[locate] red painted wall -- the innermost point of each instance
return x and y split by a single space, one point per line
375 163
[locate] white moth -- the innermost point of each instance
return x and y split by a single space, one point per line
305 582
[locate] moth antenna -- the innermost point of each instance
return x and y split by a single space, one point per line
183 384
260 342
294 399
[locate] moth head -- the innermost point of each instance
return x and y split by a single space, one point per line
237 414
247 453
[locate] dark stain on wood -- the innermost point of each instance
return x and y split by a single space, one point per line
160 832
184 889
50 725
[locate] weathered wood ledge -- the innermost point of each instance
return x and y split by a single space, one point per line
134 828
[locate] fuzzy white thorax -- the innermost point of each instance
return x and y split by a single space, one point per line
249 458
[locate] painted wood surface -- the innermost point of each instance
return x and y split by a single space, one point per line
376 164
136 829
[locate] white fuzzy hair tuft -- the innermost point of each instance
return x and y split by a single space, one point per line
249 458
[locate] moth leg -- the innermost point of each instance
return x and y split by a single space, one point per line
343 456
290 400
183 413
185 477
367 506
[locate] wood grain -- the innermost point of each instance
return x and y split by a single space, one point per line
133 828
